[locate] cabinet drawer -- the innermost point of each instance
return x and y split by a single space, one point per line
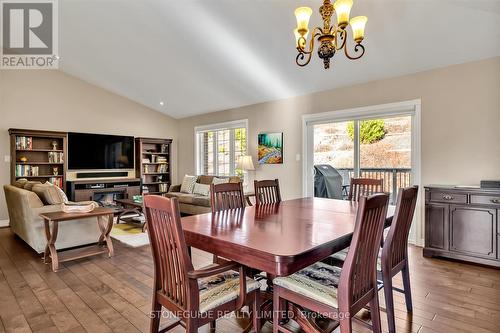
485 199
448 197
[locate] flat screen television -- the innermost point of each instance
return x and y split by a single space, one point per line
98 151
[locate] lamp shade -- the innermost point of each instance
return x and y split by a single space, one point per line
343 9
245 163
358 24
303 14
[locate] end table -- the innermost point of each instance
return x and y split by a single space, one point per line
104 218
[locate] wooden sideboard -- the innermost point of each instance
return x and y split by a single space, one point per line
463 223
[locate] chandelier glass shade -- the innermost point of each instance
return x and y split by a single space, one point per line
331 37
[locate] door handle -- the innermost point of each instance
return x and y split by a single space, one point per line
495 201
448 197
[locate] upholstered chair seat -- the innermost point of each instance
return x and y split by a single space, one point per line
318 281
341 255
222 288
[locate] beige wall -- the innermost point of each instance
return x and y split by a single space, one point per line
52 100
460 123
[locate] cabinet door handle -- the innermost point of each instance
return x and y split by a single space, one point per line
495 201
447 197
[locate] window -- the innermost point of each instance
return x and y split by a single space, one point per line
219 146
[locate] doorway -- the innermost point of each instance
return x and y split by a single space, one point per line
381 142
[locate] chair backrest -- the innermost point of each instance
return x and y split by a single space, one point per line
364 186
267 191
226 196
358 280
170 253
395 248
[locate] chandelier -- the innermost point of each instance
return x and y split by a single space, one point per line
331 38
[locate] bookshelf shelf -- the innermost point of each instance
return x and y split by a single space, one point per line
38 163
43 153
41 176
39 150
153 164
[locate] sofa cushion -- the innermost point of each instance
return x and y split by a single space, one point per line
200 200
206 180
188 184
48 193
217 180
186 198
235 179
191 199
201 189
29 185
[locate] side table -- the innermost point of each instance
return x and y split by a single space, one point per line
104 217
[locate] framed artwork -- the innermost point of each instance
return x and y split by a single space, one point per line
270 148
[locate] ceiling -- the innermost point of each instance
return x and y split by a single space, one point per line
208 55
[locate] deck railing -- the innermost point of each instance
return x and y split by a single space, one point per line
394 178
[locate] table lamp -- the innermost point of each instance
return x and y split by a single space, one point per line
245 163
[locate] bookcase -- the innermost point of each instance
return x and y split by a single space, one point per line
38 155
153 164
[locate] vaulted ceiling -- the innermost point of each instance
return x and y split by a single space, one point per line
199 56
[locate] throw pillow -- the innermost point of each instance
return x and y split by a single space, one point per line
61 193
218 180
201 189
20 182
48 194
29 185
188 184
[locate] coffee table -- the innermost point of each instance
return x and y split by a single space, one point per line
104 217
129 206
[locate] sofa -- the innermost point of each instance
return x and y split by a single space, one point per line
24 207
193 204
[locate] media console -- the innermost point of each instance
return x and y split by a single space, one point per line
103 191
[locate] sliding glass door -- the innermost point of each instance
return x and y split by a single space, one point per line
385 152
378 148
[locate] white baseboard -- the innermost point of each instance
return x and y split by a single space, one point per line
4 223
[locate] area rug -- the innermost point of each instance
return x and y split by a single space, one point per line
129 234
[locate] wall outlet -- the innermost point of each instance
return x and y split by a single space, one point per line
297 157
7 158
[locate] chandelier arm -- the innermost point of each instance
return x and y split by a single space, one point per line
356 50
299 60
343 35
304 56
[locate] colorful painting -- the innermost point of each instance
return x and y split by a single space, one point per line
270 148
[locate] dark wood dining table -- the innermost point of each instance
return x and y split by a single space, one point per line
279 239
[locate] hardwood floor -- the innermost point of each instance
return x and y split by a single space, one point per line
113 295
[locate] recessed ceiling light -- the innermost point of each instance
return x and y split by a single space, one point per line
162 103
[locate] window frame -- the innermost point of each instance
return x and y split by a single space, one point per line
199 153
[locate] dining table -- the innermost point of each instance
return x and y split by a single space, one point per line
279 239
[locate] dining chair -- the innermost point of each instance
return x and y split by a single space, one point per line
223 197
334 292
394 254
364 186
226 196
196 297
394 258
267 191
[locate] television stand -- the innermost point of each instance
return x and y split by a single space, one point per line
103 191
